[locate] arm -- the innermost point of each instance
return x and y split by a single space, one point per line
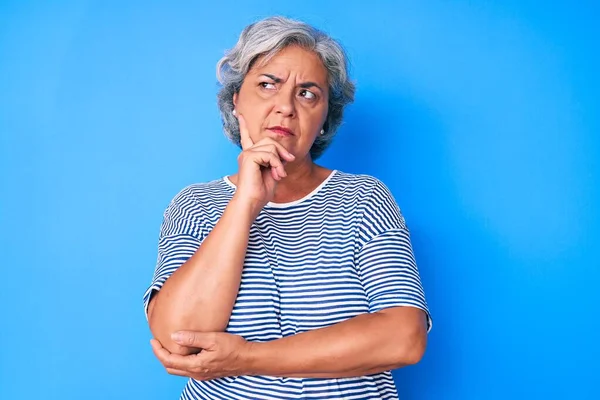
393 334
363 345
201 293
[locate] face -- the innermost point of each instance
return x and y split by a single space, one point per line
285 99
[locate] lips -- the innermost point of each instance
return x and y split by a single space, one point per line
281 130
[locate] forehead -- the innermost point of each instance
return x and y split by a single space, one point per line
307 65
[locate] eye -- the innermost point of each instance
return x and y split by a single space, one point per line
267 85
308 94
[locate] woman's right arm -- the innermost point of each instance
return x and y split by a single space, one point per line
201 293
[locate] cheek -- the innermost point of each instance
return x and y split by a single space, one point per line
254 103
313 120
253 110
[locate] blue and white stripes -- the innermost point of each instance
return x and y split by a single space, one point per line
340 251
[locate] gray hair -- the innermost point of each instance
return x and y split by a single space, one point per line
266 38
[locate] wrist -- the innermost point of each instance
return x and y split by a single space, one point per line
250 358
245 208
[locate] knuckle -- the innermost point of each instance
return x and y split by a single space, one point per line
189 340
213 337
243 156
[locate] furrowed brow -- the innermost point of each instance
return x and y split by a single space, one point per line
273 77
308 85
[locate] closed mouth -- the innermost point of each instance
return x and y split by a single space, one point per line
281 130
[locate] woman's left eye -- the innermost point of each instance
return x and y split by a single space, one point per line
308 94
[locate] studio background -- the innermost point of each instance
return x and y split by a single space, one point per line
481 117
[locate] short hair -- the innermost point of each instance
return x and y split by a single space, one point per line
266 38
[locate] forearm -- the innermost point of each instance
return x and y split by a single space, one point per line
201 293
363 345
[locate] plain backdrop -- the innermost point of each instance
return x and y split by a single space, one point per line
481 116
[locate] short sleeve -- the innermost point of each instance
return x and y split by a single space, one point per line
181 233
385 260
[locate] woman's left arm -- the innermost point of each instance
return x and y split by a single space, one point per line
363 345
366 344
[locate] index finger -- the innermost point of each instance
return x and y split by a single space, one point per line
245 139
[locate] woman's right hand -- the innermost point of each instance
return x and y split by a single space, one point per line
261 166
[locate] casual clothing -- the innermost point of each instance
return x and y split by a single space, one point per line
341 251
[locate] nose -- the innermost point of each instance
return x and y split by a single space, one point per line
284 102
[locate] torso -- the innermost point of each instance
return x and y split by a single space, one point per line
299 274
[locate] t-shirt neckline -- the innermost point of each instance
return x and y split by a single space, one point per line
291 203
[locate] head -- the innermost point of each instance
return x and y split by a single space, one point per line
285 73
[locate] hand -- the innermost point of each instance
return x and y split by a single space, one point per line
222 354
261 166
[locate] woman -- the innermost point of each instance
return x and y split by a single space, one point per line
286 280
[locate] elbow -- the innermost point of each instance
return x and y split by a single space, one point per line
411 349
408 341
163 332
162 329
416 351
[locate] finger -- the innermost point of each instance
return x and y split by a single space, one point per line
198 377
275 148
200 340
274 174
171 360
281 151
268 160
160 352
245 139
280 171
179 372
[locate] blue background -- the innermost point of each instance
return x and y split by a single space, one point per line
481 117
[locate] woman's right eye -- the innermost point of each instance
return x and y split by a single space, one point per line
267 85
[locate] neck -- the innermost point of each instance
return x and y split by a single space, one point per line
301 179
298 173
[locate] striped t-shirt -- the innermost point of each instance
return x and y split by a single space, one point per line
342 250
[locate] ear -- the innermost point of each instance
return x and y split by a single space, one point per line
235 96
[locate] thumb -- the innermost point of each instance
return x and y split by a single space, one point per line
192 339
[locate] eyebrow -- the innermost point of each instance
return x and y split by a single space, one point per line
303 85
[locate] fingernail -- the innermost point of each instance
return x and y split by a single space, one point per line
176 337
291 155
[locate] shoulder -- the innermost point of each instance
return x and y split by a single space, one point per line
201 192
366 185
195 197
191 208
379 211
